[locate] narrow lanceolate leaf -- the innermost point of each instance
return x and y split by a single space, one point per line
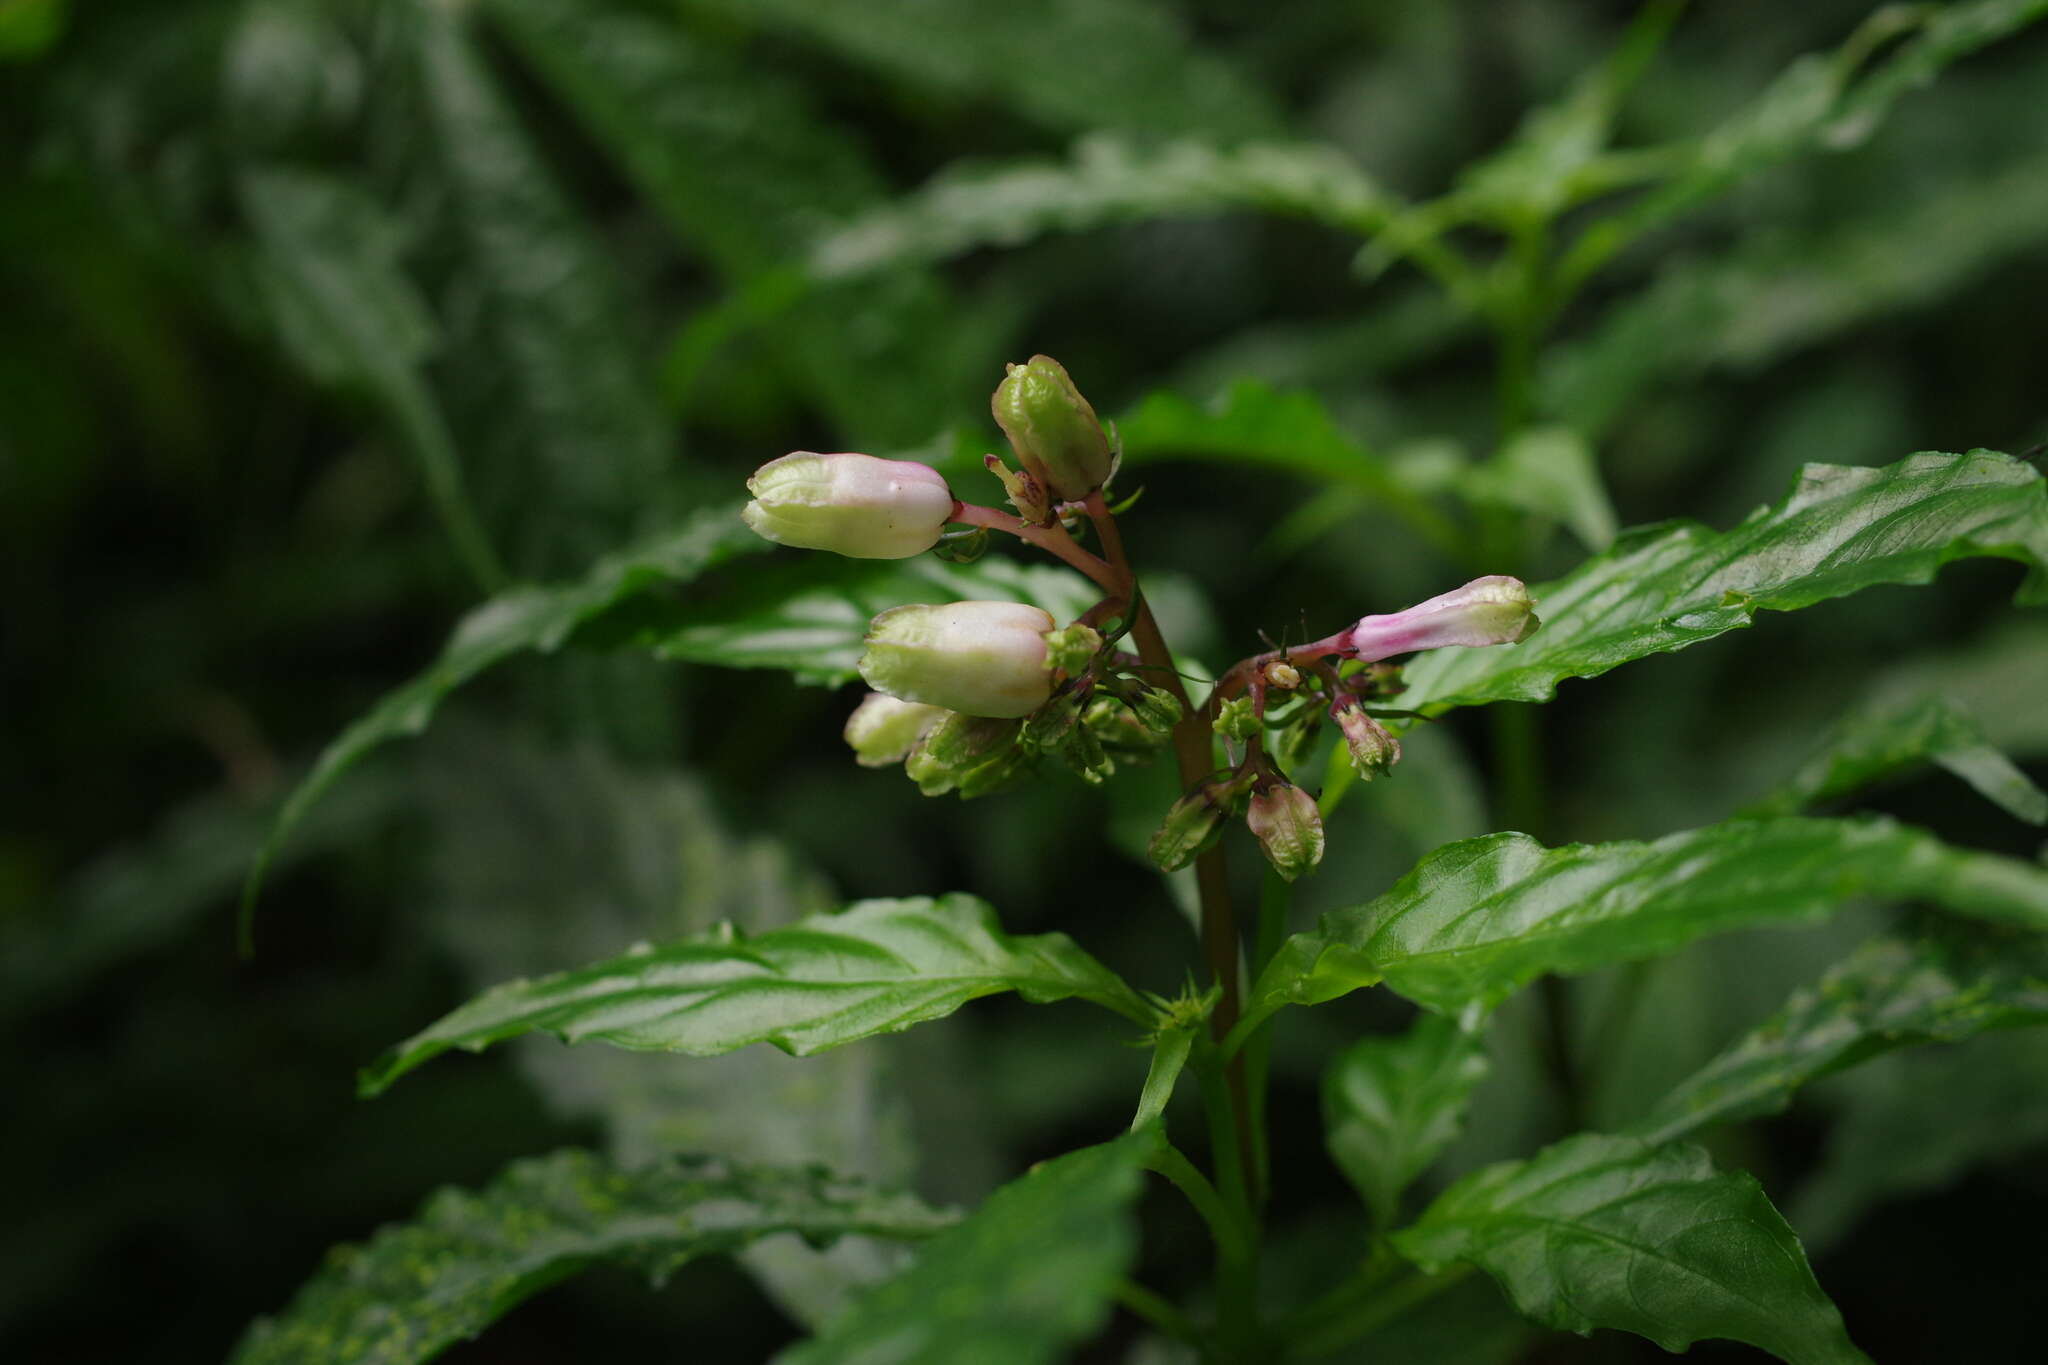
1601 1231
1893 993
1023 1278
1876 742
469 1258
809 614
1478 919
1108 179
877 967
1390 1105
1843 529
524 620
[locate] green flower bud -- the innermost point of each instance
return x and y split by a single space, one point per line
973 755
883 730
978 658
852 505
1195 821
1373 748
1055 433
1288 827
1236 719
1157 709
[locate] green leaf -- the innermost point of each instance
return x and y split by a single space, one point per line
809 615
1024 1277
1816 102
524 620
1169 1057
877 967
1478 919
468 1258
569 419
1261 427
737 160
1547 472
1107 179
1601 1231
327 269
1074 64
1893 993
1842 529
1391 1105
1875 742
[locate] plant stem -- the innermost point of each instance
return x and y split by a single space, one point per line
1155 1309
1052 539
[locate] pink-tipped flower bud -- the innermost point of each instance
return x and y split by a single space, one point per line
852 505
1487 611
884 729
1372 746
977 658
1054 431
1288 827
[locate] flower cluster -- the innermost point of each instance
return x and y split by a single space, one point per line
970 696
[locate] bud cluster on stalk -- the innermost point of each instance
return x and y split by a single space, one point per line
971 696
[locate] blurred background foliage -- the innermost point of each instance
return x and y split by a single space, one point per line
324 317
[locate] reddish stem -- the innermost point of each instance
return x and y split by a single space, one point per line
1053 539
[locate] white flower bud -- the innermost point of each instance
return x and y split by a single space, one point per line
977 658
853 505
883 730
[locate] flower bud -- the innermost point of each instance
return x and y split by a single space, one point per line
977 658
853 505
1237 719
1195 821
1054 431
1373 748
1288 827
1157 709
1487 611
883 730
973 755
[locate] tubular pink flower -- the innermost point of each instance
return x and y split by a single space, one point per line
1487 611
853 505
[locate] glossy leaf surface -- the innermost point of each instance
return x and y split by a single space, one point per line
1843 529
1022 1278
470 1257
1601 1231
876 967
1478 919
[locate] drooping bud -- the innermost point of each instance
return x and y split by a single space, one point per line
1237 719
1054 431
1281 674
973 755
1373 748
1288 827
852 505
977 658
883 729
1195 821
1487 611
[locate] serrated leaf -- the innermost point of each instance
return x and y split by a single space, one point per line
1075 64
739 162
568 414
468 1258
1875 742
809 615
1601 1231
1478 919
524 620
879 966
1392 1104
327 269
1025 1276
1893 993
1107 179
1841 530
